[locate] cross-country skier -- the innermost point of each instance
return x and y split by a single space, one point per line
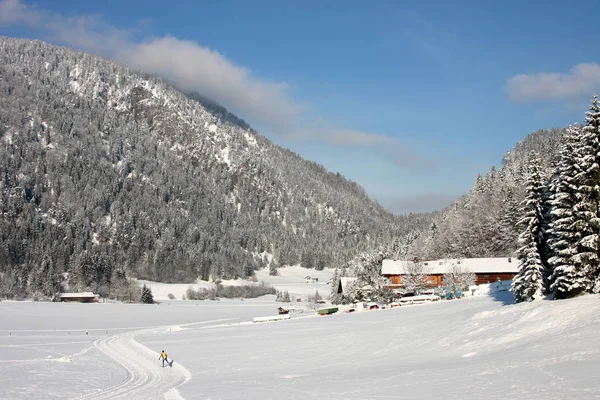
163 355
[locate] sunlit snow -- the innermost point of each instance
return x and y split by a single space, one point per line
480 347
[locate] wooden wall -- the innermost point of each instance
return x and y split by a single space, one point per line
491 278
436 279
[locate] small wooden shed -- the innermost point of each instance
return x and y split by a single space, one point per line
82 297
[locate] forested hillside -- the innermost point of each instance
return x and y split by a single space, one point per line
107 172
542 206
484 222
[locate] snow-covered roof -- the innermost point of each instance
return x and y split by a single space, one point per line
78 295
476 265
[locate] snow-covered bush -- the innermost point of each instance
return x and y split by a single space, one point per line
457 279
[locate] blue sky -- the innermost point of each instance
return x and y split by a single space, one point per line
409 99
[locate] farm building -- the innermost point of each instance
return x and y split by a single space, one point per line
309 279
83 297
486 270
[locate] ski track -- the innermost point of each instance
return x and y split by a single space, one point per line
146 379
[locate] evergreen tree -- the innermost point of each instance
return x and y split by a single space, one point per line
580 240
335 282
317 296
528 284
147 297
588 214
508 232
566 279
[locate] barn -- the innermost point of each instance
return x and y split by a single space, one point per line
486 270
83 297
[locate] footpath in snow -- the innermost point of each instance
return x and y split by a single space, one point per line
144 380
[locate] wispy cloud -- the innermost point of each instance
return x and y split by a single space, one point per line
15 12
389 148
418 203
207 71
188 64
194 67
580 81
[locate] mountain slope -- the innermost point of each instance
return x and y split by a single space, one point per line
105 171
484 222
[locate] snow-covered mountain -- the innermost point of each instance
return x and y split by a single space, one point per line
105 170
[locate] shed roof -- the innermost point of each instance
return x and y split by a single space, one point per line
475 265
78 295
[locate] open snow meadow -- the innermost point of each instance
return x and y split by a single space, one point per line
480 347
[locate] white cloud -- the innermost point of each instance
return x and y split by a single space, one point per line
208 72
193 67
582 80
13 12
389 148
418 203
186 63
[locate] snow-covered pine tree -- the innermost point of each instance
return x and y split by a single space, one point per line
528 284
317 296
588 180
507 232
545 229
367 268
335 281
401 247
566 279
147 297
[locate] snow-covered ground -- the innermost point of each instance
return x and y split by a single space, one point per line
480 347
291 279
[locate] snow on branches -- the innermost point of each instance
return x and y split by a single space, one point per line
458 279
529 282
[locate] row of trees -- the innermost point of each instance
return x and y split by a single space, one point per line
216 291
560 241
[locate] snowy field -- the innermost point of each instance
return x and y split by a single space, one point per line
481 347
291 279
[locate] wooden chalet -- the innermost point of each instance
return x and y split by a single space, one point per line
486 270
